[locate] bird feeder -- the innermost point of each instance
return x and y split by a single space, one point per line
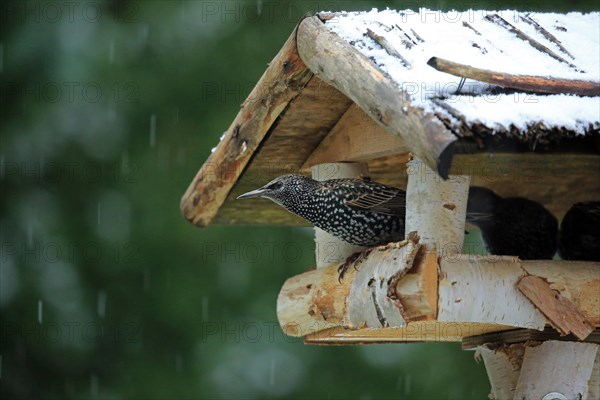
384 94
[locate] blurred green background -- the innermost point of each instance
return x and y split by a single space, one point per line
108 109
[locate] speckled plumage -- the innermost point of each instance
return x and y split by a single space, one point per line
580 232
358 211
513 226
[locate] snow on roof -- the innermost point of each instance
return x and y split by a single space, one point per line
470 38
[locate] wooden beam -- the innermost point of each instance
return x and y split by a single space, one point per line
473 291
531 83
281 83
555 180
356 137
342 66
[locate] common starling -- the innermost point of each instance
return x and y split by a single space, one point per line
513 226
579 237
358 211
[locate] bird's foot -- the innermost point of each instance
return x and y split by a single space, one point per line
353 259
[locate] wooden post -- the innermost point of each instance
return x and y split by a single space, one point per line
503 365
545 370
557 367
435 208
594 384
329 249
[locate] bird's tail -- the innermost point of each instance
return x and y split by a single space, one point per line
481 205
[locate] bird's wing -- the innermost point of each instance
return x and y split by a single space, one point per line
591 209
372 196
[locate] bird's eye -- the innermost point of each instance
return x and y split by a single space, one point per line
275 186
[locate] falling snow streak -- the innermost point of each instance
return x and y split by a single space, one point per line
111 52
178 362
407 384
146 280
204 308
272 373
152 130
101 303
168 278
1 58
94 385
30 233
0 366
125 164
98 214
40 311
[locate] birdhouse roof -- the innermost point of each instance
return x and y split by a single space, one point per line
374 86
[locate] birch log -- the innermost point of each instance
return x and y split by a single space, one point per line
367 296
473 290
559 367
502 365
436 209
560 312
484 289
330 250
594 383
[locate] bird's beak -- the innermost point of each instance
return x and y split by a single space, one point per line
255 193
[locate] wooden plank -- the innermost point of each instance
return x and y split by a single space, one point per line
528 20
537 84
418 331
290 141
498 20
523 335
561 313
342 66
281 83
555 180
356 137
388 47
